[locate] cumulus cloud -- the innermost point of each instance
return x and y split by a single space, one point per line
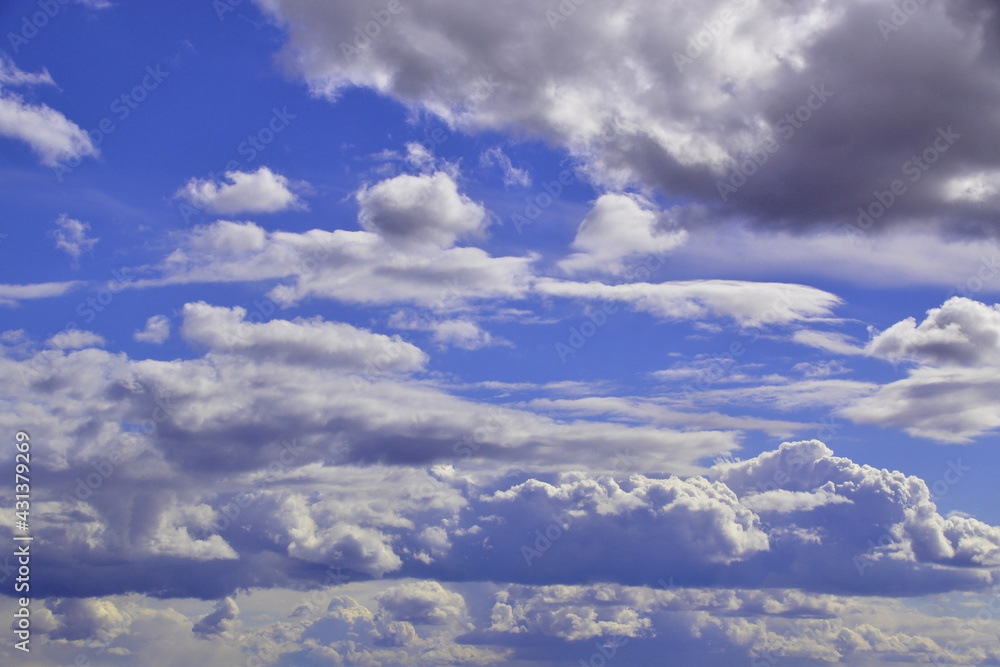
950 396
71 237
75 339
156 331
419 209
962 332
767 95
261 191
620 226
51 135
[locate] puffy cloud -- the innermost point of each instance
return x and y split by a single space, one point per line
71 237
419 209
156 331
75 339
620 226
951 395
962 332
748 303
261 191
422 602
628 90
51 135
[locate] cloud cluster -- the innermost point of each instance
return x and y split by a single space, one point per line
685 98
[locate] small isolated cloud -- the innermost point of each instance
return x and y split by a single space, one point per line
261 191
51 135
75 339
511 174
620 226
425 209
157 330
71 237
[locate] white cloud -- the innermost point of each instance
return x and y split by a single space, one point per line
511 174
355 267
71 237
419 209
75 339
889 258
11 294
157 330
962 332
620 226
51 135
748 303
261 191
951 395
310 342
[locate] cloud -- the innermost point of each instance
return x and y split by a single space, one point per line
71 237
962 332
419 209
157 330
422 602
748 303
620 226
11 294
307 342
353 267
219 621
511 174
51 135
950 395
261 191
764 105
75 339
462 333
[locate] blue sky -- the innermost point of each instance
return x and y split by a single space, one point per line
632 328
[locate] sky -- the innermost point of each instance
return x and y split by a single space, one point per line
400 332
